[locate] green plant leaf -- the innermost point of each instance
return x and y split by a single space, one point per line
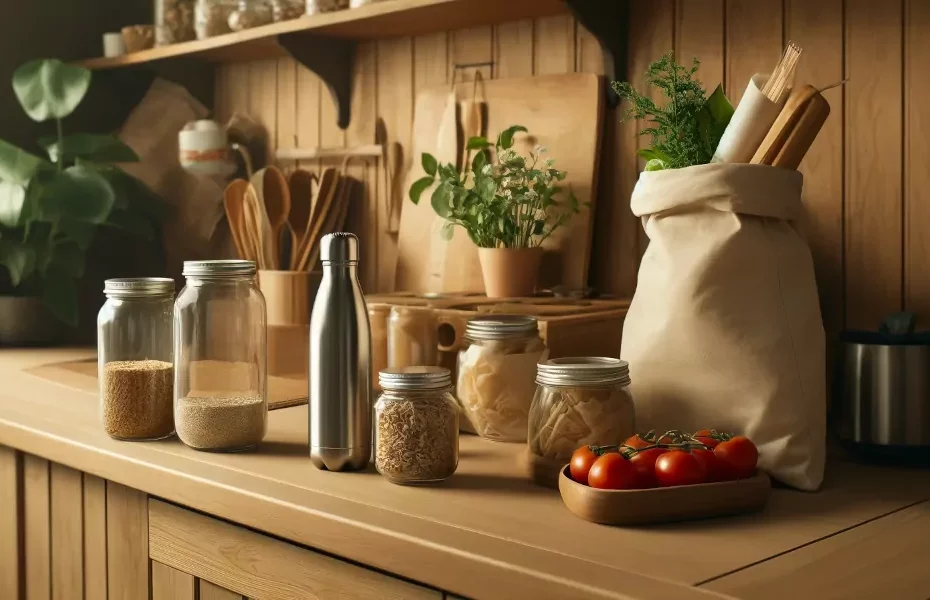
440 200
18 166
651 153
50 89
78 193
447 231
12 200
429 164
481 159
419 186
477 143
713 118
66 259
505 140
656 164
79 232
60 295
18 258
88 146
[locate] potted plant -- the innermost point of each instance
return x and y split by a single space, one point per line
50 209
506 203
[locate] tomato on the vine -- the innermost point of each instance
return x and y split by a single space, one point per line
581 462
678 467
738 457
709 463
612 472
637 441
705 436
645 463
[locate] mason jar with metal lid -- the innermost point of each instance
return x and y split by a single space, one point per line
220 345
135 358
496 372
416 425
580 401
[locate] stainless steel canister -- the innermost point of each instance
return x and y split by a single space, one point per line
340 362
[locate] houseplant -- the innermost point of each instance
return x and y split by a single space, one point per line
506 203
51 209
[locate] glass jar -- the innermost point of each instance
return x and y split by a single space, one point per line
174 21
249 14
220 346
135 358
416 426
212 17
285 10
378 320
315 7
361 3
412 337
579 402
496 374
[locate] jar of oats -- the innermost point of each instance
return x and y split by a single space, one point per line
416 426
135 358
174 22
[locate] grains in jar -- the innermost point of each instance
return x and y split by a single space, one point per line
212 17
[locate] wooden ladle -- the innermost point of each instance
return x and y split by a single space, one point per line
233 203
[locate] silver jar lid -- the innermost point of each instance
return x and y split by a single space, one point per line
218 268
415 378
583 371
339 249
138 287
500 327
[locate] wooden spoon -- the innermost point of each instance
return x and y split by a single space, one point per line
233 203
277 197
301 184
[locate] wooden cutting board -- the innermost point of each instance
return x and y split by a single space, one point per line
564 113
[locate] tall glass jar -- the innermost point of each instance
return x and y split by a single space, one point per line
174 21
416 426
135 358
578 402
212 17
496 374
220 346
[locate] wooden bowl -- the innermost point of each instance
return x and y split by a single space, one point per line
138 37
660 505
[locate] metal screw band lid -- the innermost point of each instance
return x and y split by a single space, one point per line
415 378
138 287
339 249
500 327
218 268
583 371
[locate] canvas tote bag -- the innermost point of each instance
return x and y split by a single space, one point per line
724 329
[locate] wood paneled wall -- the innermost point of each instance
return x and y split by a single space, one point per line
867 189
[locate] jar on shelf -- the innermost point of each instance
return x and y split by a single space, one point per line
315 7
220 348
211 17
496 374
416 426
285 10
249 14
378 320
412 338
135 358
578 402
174 21
361 3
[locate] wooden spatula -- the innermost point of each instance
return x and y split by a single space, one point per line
328 186
301 184
784 124
233 203
277 197
804 133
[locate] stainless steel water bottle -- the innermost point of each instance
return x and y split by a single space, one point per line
340 362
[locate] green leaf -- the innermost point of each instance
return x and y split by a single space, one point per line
505 139
656 164
419 186
79 232
650 153
79 193
18 166
50 89
429 164
60 295
449 172
19 259
12 199
713 118
130 192
66 259
447 231
88 146
479 161
441 200
477 143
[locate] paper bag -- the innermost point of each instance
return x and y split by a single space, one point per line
725 329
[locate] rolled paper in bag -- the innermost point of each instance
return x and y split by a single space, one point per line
750 124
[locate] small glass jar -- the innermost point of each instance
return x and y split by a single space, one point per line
315 7
579 402
416 426
378 320
211 17
174 21
285 10
496 374
249 14
135 358
412 337
220 347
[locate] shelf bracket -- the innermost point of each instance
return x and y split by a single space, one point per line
333 60
609 22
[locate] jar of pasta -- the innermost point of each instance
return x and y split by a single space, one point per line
496 374
578 402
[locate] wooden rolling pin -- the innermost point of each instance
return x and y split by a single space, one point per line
794 130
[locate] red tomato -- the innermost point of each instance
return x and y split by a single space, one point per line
612 472
635 441
703 432
710 463
707 441
737 457
581 463
677 467
645 463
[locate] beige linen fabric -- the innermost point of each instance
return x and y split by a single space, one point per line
725 330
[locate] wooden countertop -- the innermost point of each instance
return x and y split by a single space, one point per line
486 529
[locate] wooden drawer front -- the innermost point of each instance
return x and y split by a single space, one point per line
261 567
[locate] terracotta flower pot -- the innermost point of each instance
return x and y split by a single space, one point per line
510 272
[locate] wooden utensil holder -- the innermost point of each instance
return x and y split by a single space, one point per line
289 297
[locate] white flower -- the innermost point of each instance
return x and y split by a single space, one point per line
508 194
505 155
531 195
505 182
486 170
550 162
540 149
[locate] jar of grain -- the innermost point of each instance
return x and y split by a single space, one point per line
378 320
211 17
496 374
249 14
220 347
315 7
412 338
135 358
174 21
285 10
416 426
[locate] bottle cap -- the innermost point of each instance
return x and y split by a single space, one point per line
339 249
